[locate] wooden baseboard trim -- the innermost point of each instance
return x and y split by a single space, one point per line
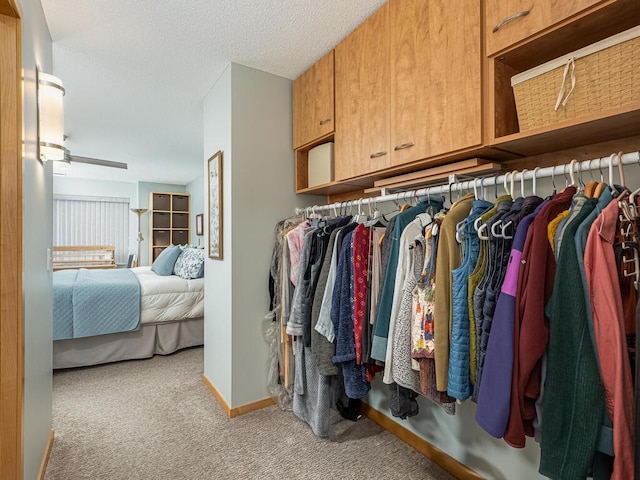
450 464
250 407
47 454
236 411
218 396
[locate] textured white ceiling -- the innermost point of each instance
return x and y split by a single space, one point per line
136 71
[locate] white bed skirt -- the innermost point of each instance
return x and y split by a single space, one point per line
162 339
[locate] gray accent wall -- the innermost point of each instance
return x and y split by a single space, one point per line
37 237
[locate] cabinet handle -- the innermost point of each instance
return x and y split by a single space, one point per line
402 146
510 18
326 120
377 154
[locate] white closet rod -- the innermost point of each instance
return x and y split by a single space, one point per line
572 168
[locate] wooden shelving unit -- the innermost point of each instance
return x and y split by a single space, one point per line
168 221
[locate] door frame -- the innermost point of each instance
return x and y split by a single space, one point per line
11 291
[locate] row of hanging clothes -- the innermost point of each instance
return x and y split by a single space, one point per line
524 305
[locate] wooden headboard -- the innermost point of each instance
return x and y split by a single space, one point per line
83 256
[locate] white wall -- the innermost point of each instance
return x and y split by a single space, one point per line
262 194
37 237
460 437
198 206
102 188
217 278
247 115
144 189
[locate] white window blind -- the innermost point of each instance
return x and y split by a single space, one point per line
84 220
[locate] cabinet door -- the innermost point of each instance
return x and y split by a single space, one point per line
313 115
510 21
362 99
435 77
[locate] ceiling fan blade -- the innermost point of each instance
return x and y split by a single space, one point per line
97 161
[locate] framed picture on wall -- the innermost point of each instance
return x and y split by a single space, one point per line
215 206
200 224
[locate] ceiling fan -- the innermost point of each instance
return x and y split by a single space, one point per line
97 161
61 168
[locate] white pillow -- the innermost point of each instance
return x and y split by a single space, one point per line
190 263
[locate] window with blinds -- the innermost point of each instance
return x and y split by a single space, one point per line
84 220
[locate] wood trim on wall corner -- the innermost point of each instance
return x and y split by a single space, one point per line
47 454
236 411
250 407
450 464
218 396
11 308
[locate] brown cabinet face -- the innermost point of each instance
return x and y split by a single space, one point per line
313 102
362 98
162 237
161 201
435 78
180 220
510 21
161 220
179 237
180 203
400 96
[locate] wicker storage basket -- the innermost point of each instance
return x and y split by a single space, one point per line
604 75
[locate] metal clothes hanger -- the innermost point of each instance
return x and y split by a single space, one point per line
535 181
580 180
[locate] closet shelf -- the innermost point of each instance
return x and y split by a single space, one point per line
331 188
603 126
437 175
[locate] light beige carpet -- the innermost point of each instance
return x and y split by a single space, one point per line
154 419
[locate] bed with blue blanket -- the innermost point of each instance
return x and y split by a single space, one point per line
102 316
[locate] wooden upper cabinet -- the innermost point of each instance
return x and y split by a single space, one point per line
435 77
313 111
362 98
510 21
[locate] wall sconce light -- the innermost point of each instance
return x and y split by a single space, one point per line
50 111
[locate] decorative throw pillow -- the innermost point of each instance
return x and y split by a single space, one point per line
164 264
190 263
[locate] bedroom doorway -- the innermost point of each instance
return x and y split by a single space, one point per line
11 314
